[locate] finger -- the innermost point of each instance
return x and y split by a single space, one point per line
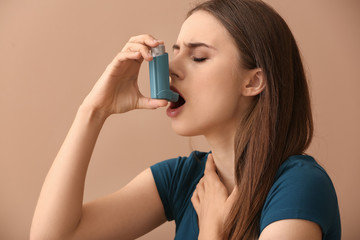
200 189
127 55
233 196
122 56
146 39
210 174
149 103
195 201
210 165
230 201
137 47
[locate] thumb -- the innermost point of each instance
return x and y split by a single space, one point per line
210 165
149 103
232 197
230 201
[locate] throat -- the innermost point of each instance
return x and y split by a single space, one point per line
225 169
229 183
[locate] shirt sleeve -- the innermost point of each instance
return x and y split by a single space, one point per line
302 192
163 175
176 180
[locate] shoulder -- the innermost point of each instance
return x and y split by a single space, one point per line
176 180
301 175
181 165
299 165
302 190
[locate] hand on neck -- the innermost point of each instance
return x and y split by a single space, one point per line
223 154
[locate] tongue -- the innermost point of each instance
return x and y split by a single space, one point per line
177 104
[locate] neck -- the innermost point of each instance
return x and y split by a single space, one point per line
223 153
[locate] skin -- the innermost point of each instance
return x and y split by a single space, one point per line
136 209
200 83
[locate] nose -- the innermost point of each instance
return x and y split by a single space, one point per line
176 69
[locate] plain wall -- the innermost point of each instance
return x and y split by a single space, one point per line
52 52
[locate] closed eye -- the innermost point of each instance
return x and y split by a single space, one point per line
199 59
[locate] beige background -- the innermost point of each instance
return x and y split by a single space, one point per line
52 52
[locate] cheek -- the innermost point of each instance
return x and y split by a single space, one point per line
214 97
220 109
213 106
220 92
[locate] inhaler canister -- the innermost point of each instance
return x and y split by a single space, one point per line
159 75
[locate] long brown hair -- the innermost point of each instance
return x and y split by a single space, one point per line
279 122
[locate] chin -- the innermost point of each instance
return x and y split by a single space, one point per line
184 130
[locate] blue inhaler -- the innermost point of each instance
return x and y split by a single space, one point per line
159 75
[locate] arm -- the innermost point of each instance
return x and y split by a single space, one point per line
292 229
60 213
127 214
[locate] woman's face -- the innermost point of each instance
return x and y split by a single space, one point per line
206 72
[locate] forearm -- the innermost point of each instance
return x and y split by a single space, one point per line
210 228
59 206
210 233
208 237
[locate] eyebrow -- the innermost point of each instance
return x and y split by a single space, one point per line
193 45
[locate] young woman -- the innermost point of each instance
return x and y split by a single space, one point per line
238 71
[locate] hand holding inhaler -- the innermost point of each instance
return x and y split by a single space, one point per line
117 90
159 75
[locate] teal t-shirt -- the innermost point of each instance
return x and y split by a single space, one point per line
302 190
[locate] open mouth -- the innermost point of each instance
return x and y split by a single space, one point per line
181 101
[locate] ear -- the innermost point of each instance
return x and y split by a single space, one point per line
255 83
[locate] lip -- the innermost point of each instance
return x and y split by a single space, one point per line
174 112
